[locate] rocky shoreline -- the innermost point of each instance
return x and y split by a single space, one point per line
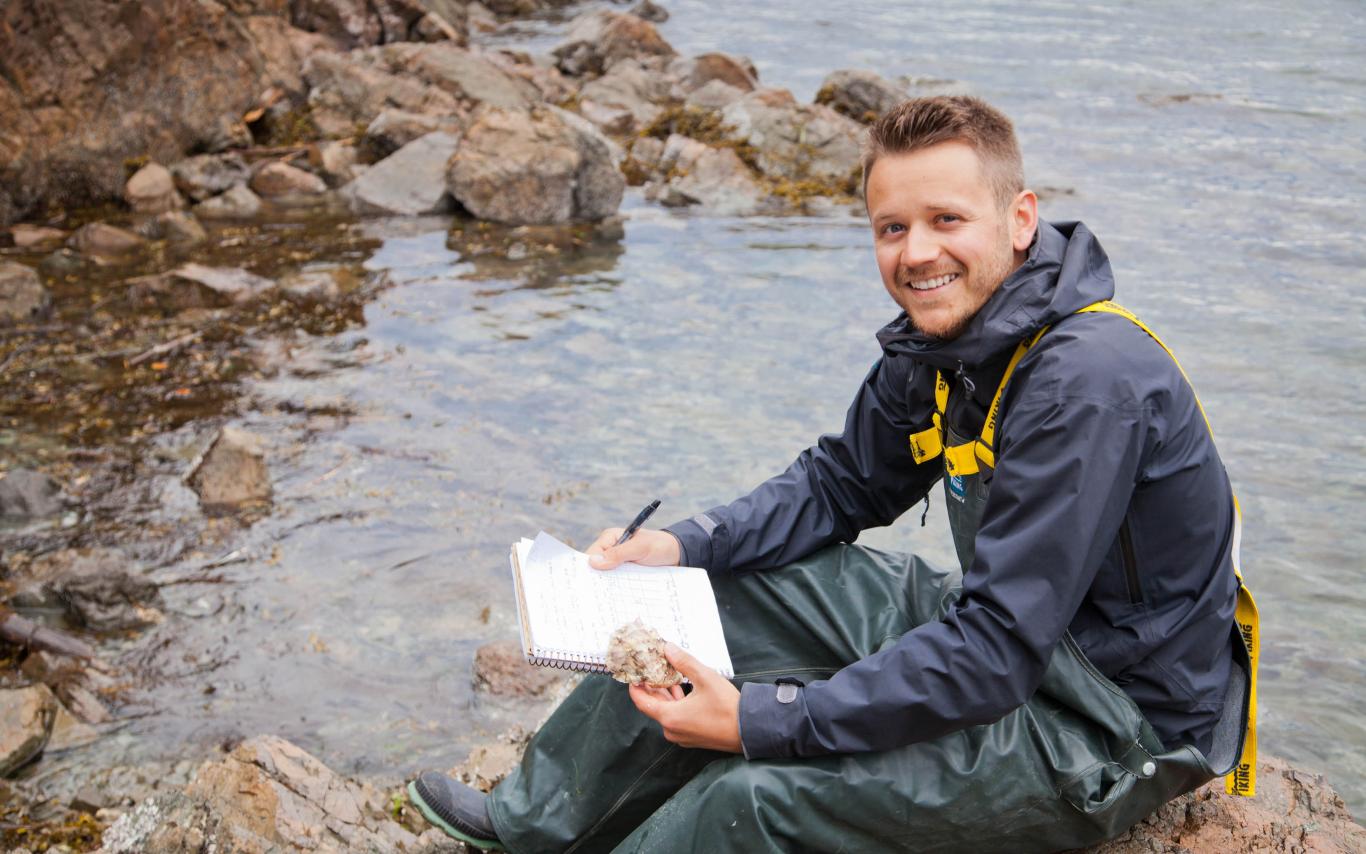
185 184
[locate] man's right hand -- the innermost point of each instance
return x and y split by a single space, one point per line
651 548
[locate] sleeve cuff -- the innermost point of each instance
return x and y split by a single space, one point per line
768 727
694 542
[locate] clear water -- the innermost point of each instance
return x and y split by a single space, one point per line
1216 149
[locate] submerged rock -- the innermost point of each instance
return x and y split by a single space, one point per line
534 168
237 203
501 668
635 655
411 181
102 241
178 227
860 95
199 286
22 295
100 592
152 190
26 716
27 494
232 473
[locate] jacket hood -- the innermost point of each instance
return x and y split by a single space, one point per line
1066 270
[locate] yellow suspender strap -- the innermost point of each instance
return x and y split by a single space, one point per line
1243 780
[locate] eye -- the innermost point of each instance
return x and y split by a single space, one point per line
893 228
948 218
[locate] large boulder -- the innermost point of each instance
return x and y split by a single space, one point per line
232 473
268 795
440 80
27 494
22 295
713 177
598 40
534 167
860 95
26 716
411 181
797 142
86 85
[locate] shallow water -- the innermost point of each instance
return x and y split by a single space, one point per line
1214 149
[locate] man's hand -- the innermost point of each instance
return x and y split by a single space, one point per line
709 717
650 548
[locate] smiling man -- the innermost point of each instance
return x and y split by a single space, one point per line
1079 668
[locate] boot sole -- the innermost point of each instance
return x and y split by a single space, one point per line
438 821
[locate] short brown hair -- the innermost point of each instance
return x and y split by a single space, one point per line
923 122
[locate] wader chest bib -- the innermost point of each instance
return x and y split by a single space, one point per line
967 485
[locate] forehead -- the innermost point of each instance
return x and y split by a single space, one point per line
949 173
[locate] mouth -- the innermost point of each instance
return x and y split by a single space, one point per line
933 284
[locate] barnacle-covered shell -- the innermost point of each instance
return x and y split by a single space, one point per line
635 654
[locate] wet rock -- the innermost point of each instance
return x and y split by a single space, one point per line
69 733
441 80
535 167
1294 810
198 286
501 668
35 236
22 295
393 129
152 190
206 175
713 177
232 473
635 655
89 799
99 591
630 88
177 227
411 181
103 242
26 716
797 141
280 179
488 764
266 795
695 72
597 40
860 95
650 11
320 285
237 203
27 494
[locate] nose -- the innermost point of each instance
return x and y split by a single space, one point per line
919 247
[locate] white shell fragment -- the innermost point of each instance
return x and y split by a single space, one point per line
635 654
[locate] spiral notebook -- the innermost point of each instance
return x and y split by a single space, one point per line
567 610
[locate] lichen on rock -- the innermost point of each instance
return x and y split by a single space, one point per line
635 654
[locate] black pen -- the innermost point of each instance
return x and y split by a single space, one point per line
638 521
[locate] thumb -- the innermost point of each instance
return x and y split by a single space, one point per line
612 556
687 664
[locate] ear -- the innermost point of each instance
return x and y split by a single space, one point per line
1024 220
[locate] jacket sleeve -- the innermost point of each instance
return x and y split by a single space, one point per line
862 478
1066 465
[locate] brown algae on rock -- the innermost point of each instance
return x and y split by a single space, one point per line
635 654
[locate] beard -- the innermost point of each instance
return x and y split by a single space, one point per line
976 287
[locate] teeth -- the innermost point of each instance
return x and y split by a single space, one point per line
931 284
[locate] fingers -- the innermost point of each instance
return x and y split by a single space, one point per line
635 549
604 540
649 705
684 662
676 691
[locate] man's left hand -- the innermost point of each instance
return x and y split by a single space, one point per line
708 717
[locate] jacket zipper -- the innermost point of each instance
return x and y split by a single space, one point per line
1126 546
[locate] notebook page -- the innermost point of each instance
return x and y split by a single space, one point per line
574 608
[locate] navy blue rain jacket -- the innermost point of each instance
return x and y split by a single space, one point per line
1099 431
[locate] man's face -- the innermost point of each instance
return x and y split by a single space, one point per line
944 243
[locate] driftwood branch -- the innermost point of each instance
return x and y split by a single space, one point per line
161 349
24 632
